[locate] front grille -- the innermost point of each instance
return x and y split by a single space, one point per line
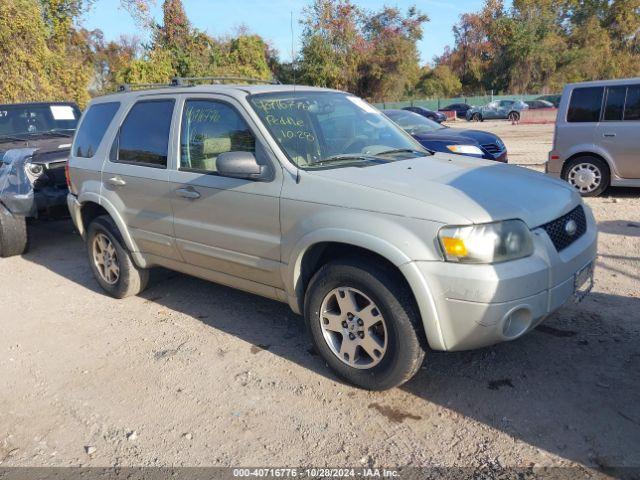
55 173
492 148
557 229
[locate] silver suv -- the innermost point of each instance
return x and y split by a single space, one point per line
597 136
313 197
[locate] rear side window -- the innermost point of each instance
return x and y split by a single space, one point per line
94 125
614 106
632 106
585 104
144 135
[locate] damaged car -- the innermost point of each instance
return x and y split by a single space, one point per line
35 140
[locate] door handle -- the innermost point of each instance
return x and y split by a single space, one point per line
609 135
188 192
116 182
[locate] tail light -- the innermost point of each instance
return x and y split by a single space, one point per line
67 177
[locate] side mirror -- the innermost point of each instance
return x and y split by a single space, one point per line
240 165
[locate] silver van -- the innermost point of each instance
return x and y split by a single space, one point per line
597 136
313 197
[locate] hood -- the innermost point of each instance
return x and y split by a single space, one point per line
479 136
49 148
457 137
478 190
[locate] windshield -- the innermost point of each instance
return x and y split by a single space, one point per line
413 123
24 120
332 129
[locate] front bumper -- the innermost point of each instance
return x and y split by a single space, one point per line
471 306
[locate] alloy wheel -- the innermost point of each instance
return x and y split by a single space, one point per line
353 328
105 259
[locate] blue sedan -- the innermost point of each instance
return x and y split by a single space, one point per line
438 138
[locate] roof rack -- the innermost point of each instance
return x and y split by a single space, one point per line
191 81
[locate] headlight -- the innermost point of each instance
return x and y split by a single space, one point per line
35 169
465 149
486 243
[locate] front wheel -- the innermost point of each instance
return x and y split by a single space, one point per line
111 262
514 116
13 234
476 117
364 324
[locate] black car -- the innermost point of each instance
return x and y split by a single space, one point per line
438 138
553 99
459 108
537 104
426 113
35 141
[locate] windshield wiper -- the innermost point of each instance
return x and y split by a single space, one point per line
57 133
346 158
11 138
403 150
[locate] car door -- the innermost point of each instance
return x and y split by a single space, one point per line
504 107
227 225
490 111
135 177
619 130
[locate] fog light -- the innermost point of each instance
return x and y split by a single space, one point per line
516 322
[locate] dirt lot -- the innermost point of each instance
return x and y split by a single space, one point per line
191 373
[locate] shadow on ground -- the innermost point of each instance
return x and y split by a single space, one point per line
571 387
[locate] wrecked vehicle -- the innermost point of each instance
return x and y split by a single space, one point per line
35 140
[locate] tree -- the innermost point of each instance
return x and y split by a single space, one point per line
24 54
391 66
438 82
332 44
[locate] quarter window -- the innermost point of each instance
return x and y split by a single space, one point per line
210 128
94 125
614 107
632 105
585 105
144 135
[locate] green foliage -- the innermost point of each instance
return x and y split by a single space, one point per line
438 82
372 54
539 45
24 54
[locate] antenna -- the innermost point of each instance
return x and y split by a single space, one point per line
293 67
293 54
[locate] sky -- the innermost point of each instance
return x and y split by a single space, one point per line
271 19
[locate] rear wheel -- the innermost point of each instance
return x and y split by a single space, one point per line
589 175
111 261
514 116
13 234
364 324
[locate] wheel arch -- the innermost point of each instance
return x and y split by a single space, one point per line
92 206
317 248
588 153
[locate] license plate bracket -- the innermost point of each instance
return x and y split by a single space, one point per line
583 282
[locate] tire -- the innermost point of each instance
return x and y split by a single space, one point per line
514 116
476 117
103 235
14 239
398 334
580 170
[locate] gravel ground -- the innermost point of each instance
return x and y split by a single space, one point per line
192 373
